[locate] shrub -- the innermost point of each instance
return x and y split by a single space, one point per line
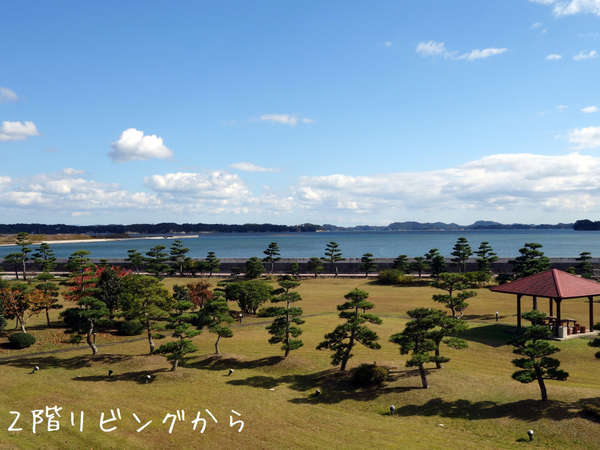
21 340
72 319
131 328
367 375
389 276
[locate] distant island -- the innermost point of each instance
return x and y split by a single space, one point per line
168 228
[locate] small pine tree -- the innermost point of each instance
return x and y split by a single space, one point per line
156 260
401 263
455 302
283 329
584 268
486 256
416 340
216 316
532 343
345 336
315 266
446 330
177 255
183 331
212 263
135 260
24 242
435 261
272 255
461 252
531 261
367 264
418 265
333 255
44 256
254 268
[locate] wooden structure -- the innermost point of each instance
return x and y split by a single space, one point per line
556 286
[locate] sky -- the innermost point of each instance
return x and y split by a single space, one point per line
340 112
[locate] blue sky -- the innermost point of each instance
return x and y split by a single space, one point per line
328 112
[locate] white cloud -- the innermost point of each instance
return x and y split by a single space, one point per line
17 131
590 109
7 95
80 213
503 182
134 145
571 7
388 43
562 107
433 48
553 57
585 138
286 119
536 25
583 55
209 185
249 167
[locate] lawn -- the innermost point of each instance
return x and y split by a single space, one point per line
471 403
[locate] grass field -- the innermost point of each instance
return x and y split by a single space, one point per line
471 403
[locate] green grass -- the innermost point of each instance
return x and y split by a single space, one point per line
472 402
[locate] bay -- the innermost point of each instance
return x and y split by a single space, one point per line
506 243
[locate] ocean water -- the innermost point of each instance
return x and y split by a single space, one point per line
506 243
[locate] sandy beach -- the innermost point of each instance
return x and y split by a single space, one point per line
80 241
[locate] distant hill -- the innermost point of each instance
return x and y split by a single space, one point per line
586 225
172 228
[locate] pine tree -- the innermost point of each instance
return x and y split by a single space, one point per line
333 255
180 322
49 291
532 343
446 330
461 252
531 261
435 261
584 268
401 263
24 242
283 329
254 268
418 265
455 302
84 291
315 266
416 340
216 316
44 257
135 260
177 255
212 264
156 260
272 253
367 264
486 256
345 336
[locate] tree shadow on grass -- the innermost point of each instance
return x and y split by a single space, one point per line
526 410
75 362
140 376
218 362
334 386
496 335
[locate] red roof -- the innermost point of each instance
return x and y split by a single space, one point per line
551 283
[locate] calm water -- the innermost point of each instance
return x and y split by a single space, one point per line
557 243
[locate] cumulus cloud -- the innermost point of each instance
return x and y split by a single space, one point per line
249 167
500 182
285 119
589 109
134 145
433 48
571 7
585 138
553 57
214 184
7 95
583 55
17 131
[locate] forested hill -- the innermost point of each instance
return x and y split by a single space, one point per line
175 228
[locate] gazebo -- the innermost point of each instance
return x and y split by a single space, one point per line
556 286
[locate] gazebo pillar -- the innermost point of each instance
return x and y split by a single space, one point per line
519 310
535 303
550 306
558 300
591 300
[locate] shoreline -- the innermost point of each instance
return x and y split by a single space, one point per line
83 241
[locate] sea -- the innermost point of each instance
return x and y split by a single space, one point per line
506 243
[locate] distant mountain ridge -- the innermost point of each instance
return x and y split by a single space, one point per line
171 228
